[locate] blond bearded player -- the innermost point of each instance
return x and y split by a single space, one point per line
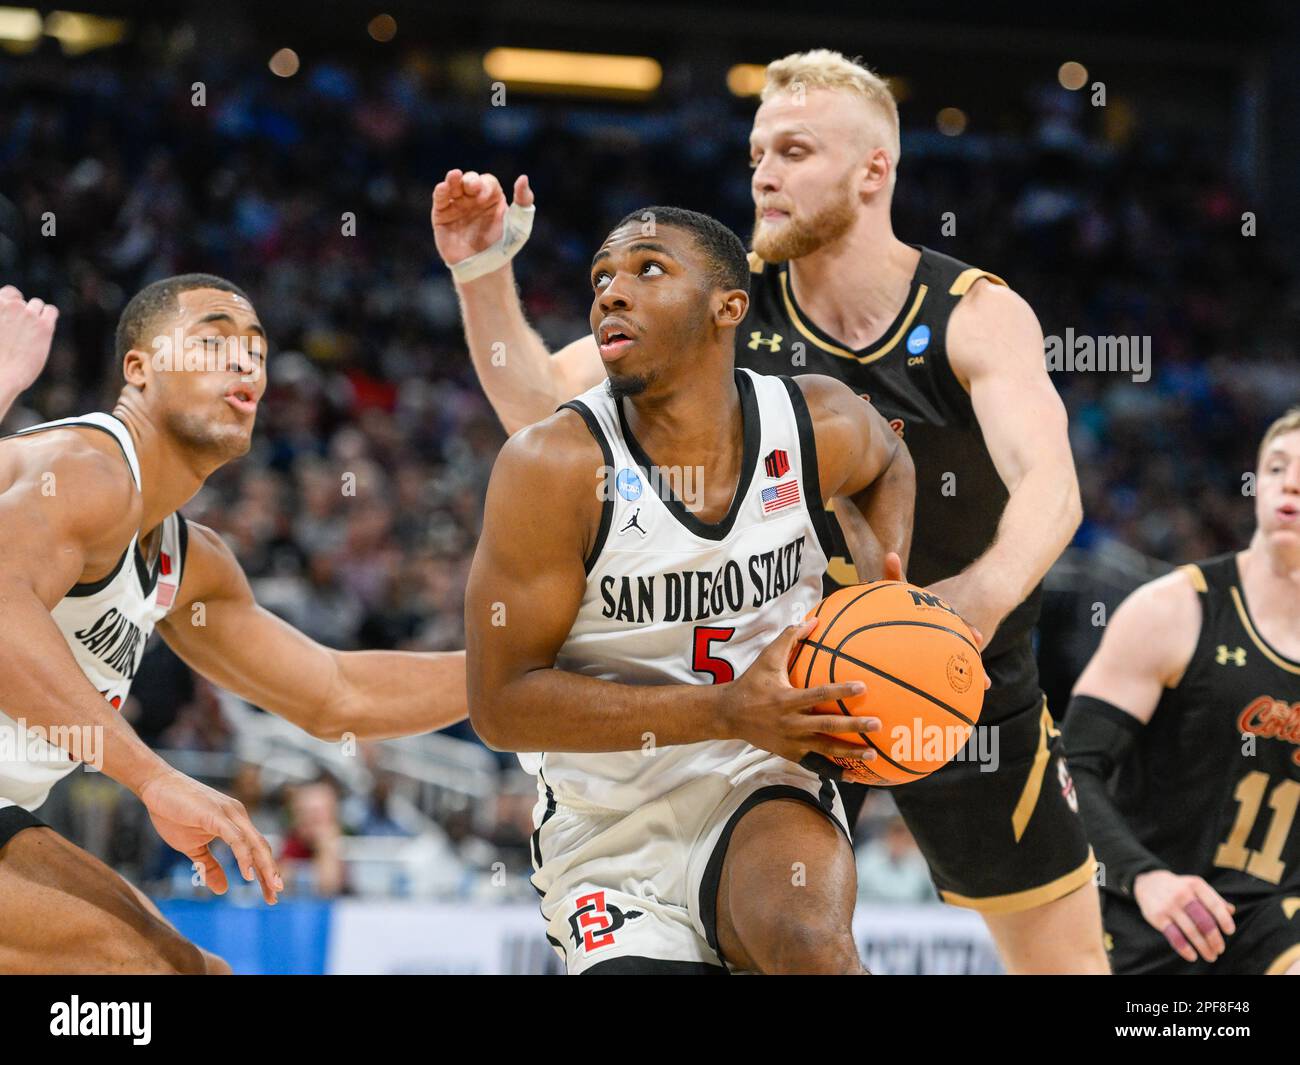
96 556
954 359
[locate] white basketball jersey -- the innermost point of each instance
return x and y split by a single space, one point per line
106 625
672 600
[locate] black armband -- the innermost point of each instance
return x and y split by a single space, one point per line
1098 738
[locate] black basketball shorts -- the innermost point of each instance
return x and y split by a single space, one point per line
1266 942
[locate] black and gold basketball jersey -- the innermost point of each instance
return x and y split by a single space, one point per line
906 376
1213 784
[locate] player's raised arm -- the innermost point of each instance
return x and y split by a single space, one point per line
26 331
995 347
1146 648
220 631
866 468
524 382
526 586
63 503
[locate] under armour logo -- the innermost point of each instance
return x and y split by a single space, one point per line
1237 656
633 523
756 339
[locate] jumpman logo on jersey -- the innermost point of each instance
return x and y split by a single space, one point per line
634 523
756 339
1237 656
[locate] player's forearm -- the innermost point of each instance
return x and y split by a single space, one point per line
878 519
9 391
385 694
554 710
1037 524
43 689
1098 738
511 360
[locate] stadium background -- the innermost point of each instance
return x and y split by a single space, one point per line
155 139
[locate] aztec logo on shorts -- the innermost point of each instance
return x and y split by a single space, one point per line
593 924
1067 784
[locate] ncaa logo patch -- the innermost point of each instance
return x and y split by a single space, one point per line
918 339
628 483
593 924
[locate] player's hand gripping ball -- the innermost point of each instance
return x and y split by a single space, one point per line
922 669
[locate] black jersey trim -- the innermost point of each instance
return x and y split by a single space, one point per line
752 430
897 329
89 588
79 591
148 578
813 501
636 965
607 504
88 425
1290 665
14 819
183 545
550 812
712 878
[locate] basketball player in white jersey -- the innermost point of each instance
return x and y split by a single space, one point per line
642 643
26 330
95 557
954 359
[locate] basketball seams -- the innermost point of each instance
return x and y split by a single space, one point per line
825 638
914 624
838 614
898 680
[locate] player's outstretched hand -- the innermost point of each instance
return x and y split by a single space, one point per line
469 211
26 332
189 816
1190 914
762 707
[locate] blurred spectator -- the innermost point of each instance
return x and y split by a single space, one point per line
891 869
311 857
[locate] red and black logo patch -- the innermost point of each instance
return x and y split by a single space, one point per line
777 463
593 924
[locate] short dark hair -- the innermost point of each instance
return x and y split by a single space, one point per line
728 261
161 297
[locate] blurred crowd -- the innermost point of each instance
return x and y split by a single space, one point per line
358 509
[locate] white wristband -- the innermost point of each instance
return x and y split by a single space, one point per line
514 235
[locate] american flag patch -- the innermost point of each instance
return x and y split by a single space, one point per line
780 496
166 594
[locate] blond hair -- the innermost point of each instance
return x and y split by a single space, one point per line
1288 423
822 68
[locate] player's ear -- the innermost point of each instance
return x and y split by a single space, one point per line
733 307
876 172
135 367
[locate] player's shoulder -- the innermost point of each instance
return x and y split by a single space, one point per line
552 453
1172 595
990 301
79 470
829 397
211 568
1162 615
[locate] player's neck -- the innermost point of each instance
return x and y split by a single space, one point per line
855 287
699 425
1271 578
168 473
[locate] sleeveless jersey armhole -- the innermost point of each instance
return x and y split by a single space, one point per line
606 504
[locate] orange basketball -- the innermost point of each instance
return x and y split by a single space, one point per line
918 659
